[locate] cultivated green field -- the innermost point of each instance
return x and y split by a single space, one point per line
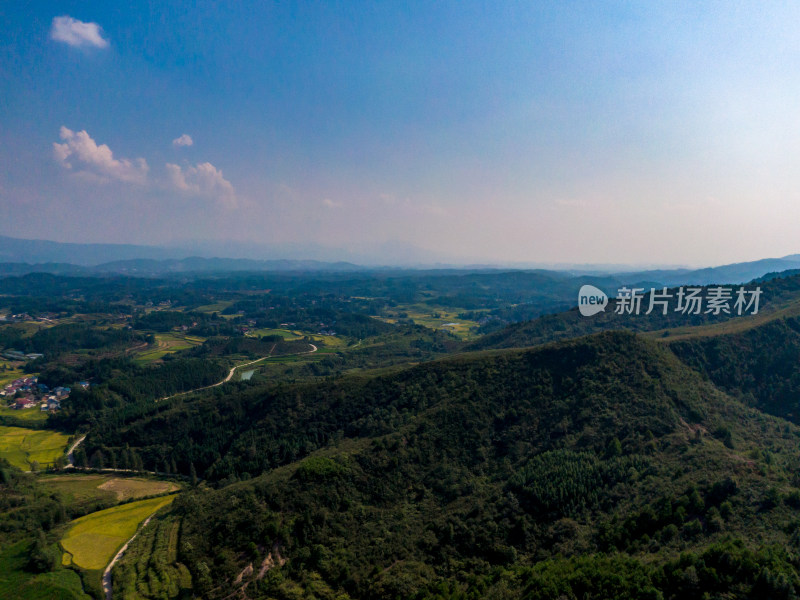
216 307
330 341
17 583
22 446
167 343
29 415
9 373
92 541
284 333
435 318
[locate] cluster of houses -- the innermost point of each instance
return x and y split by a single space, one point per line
20 317
27 392
15 318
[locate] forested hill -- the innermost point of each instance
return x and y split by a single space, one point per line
779 294
760 365
597 468
288 422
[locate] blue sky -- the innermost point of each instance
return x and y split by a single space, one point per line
626 132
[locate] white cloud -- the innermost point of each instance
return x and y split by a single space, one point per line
184 140
204 180
77 33
95 162
331 203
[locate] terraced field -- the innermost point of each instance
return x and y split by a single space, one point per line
92 541
21 446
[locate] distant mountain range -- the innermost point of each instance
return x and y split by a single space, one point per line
146 267
21 256
307 254
733 273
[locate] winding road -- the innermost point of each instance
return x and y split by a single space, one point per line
232 371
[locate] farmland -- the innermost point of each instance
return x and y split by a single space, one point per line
30 415
85 489
10 371
21 446
284 333
167 343
216 307
92 541
434 318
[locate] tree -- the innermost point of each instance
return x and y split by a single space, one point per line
80 458
98 460
614 448
43 556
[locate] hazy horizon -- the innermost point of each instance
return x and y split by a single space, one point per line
390 254
657 134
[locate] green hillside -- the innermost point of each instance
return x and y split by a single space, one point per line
601 467
760 366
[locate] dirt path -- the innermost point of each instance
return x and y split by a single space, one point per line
71 452
107 572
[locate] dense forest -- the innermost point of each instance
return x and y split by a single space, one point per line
522 475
